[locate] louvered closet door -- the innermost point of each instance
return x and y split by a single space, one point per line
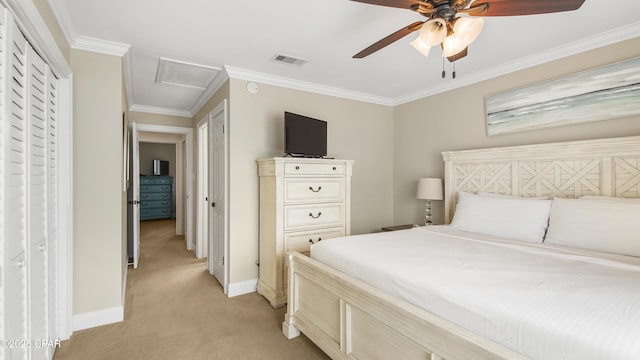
28 190
37 221
4 128
15 206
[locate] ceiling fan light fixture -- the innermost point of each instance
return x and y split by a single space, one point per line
452 45
420 45
433 31
467 29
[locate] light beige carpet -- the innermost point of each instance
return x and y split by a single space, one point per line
175 310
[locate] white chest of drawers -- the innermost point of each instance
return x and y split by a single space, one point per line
302 201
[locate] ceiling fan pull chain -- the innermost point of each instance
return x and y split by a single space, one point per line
443 72
454 70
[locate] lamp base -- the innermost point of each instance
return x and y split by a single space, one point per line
427 220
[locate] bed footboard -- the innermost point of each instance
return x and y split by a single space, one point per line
349 319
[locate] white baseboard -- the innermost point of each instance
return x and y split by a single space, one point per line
241 288
98 318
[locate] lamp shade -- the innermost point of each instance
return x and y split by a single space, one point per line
465 31
468 29
420 45
430 189
433 31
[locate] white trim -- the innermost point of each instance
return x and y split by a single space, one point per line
124 283
65 208
215 85
241 288
606 38
36 31
249 75
101 46
188 132
98 318
201 218
159 110
127 65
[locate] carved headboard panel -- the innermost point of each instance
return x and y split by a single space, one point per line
608 167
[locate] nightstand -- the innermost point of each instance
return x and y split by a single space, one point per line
398 227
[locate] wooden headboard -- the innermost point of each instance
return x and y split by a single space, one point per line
607 167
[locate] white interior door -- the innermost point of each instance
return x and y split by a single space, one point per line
135 175
202 240
218 190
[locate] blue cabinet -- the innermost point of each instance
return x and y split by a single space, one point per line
156 197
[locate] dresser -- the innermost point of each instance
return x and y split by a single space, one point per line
302 202
156 197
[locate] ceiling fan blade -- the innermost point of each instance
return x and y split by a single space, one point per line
389 39
404 4
459 55
523 7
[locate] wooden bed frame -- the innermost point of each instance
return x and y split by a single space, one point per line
349 319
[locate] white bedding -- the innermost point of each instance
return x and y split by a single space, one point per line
541 301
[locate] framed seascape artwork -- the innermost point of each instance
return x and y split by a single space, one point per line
603 93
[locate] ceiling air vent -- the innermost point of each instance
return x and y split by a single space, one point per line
288 60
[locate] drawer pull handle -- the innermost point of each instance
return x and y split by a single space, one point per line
311 188
312 242
317 216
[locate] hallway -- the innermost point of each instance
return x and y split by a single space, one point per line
176 310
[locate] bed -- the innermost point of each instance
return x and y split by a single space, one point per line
352 318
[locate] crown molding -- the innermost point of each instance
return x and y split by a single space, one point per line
606 38
213 88
101 46
249 75
160 110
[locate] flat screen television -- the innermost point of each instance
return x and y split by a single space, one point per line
304 136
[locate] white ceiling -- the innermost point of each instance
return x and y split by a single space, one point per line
241 38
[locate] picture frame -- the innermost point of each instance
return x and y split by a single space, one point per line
607 92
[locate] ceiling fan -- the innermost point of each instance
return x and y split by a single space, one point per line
454 33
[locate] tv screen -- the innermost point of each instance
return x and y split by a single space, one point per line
304 136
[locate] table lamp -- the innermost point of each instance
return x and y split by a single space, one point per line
429 189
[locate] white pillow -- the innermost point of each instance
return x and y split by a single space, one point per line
609 198
483 193
609 226
504 216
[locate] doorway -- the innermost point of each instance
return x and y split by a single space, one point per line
182 138
212 237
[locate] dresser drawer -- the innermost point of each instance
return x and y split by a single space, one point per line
154 188
149 204
155 196
147 181
301 189
302 240
155 213
163 180
313 169
302 216
152 180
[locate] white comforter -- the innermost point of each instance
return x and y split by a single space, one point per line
546 303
